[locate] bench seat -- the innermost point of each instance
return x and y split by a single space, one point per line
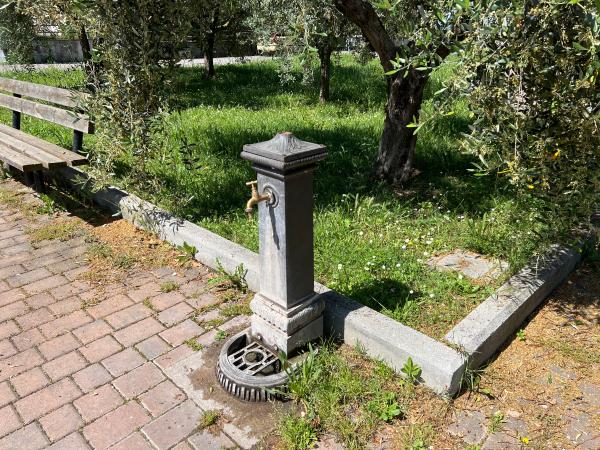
28 153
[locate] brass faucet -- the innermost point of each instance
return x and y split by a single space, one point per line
256 198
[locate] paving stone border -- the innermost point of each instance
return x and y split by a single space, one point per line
470 343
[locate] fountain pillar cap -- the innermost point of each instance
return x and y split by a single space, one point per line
284 153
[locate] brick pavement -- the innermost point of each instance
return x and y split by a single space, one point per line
74 376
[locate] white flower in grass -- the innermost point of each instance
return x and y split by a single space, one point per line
411 292
460 276
398 265
431 295
361 233
340 267
383 267
419 260
425 253
407 241
404 247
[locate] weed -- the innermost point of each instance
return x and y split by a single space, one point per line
194 344
221 335
386 406
99 249
49 206
473 447
148 304
521 335
123 261
496 422
62 230
213 323
168 286
89 303
237 309
237 279
471 380
209 418
297 433
411 370
188 252
417 436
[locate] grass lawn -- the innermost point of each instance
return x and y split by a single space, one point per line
371 242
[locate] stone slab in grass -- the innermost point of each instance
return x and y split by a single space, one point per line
471 265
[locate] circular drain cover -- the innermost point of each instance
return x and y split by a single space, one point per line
250 371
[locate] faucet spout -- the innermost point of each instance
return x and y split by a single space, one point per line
256 198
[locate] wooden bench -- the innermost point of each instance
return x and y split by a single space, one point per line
30 154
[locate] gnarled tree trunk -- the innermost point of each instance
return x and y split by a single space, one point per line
397 146
209 55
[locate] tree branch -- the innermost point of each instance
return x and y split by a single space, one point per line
363 15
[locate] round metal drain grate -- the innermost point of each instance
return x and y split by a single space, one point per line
250 371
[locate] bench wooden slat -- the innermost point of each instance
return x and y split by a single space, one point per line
71 158
18 160
69 119
48 161
50 94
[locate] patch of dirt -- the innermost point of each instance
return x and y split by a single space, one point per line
544 385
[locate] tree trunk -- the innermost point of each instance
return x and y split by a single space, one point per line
88 63
209 53
325 59
397 146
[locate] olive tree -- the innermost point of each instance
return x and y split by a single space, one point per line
411 38
533 78
303 27
211 19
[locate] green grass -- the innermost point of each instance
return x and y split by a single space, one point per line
371 242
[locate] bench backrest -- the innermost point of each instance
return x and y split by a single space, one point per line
69 115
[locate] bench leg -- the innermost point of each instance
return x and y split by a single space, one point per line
29 179
38 178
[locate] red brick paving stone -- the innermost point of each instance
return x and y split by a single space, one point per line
184 446
116 425
145 291
174 356
174 426
207 339
74 441
208 441
65 306
123 362
31 276
32 435
109 306
39 300
92 331
13 310
45 285
91 377
70 289
19 363
203 300
28 339
6 394
35 318
9 421
134 441
30 381
100 349
10 271
235 323
3 286
128 316
61 422
98 402
161 398
180 333
65 265
65 365
65 323
138 380
58 346
10 296
8 329
164 301
175 314
138 331
49 398
73 274
6 349
153 347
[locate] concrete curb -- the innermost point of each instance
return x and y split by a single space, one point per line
477 337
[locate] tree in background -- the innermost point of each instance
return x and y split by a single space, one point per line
411 38
211 19
17 34
303 27
532 72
